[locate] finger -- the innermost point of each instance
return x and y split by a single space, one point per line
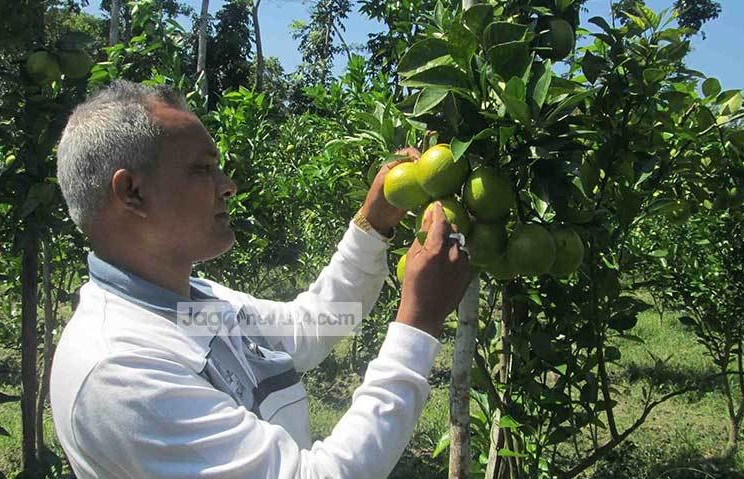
411 152
414 250
454 254
436 238
428 218
390 165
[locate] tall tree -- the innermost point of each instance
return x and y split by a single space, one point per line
201 61
259 83
114 24
230 48
318 39
692 14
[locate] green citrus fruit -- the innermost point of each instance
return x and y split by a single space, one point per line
485 243
569 251
679 212
499 268
75 64
488 195
401 188
453 211
42 67
557 38
400 270
438 173
530 250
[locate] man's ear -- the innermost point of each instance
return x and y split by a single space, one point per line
126 188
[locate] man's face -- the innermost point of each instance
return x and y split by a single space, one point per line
187 212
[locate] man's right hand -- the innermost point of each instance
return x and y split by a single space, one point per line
436 276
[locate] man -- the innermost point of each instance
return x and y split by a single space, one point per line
137 392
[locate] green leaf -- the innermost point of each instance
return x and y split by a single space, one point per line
441 76
601 23
509 453
567 104
505 134
459 147
711 87
421 53
518 109
542 346
510 59
688 321
442 444
560 434
652 18
611 353
38 195
428 99
540 94
485 134
508 422
462 43
477 17
503 32
516 89
659 253
653 75
592 66
7 398
732 103
622 321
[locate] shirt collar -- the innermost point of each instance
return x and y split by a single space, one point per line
141 292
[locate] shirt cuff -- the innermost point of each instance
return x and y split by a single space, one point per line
373 233
412 347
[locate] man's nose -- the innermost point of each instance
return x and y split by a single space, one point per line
228 188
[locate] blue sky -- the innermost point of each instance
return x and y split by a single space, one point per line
715 56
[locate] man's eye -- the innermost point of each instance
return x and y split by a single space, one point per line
206 168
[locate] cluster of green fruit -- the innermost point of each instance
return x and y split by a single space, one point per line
44 67
478 203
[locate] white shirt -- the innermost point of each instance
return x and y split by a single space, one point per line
134 396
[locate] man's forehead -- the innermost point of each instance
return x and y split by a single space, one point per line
173 118
183 127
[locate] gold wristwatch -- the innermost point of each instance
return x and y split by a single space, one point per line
361 221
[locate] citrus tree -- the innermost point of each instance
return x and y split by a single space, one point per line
703 260
45 59
557 171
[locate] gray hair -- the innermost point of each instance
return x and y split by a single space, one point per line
111 130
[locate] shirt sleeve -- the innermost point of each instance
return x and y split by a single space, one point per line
332 307
141 415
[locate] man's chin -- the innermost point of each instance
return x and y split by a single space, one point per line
220 248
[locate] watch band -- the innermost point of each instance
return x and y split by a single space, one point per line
361 221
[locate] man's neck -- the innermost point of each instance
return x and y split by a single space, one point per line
156 269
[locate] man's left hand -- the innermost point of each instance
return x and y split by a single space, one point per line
383 216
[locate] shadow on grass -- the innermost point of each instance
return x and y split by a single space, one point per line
630 461
675 377
419 463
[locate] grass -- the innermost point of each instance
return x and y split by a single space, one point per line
679 440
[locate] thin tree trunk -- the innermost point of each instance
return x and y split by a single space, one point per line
467 328
465 340
201 58
48 348
497 434
259 49
734 420
114 26
29 343
29 269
